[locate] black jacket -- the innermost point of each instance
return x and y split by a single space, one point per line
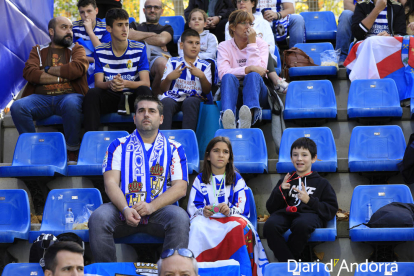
223 7
322 200
395 16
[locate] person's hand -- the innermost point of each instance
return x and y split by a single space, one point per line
212 22
270 15
207 211
88 25
383 33
224 209
260 70
285 185
381 4
195 71
116 84
302 194
176 73
411 26
143 208
251 35
164 48
132 217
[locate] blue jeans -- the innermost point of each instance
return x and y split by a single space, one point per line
296 30
36 107
344 34
254 93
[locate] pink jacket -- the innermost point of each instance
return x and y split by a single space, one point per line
232 60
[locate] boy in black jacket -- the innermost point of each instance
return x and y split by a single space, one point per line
311 194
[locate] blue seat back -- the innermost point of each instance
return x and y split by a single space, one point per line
40 149
376 148
381 269
176 22
311 99
296 268
378 196
59 200
320 25
14 215
252 207
249 148
207 125
279 62
326 149
188 139
94 145
314 50
18 269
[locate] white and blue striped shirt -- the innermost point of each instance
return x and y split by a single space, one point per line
133 61
80 34
380 24
186 85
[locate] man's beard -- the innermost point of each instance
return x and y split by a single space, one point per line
63 41
153 21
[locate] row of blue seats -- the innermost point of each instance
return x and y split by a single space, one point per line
367 98
371 148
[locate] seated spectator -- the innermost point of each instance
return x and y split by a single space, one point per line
218 13
283 20
121 68
179 261
186 83
312 195
263 31
344 34
56 75
219 192
105 5
158 38
136 171
244 57
409 13
374 19
64 258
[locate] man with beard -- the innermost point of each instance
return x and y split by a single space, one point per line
56 75
158 38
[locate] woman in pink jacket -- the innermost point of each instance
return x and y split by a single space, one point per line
244 57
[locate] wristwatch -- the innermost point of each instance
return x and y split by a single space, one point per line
219 16
47 68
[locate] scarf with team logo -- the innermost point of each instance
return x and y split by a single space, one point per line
143 173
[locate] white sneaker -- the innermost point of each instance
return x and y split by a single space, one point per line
245 117
228 119
282 85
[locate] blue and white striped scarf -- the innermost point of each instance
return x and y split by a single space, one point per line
281 32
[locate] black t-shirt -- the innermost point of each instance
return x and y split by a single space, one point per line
157 28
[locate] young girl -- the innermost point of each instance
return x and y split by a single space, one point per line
219 209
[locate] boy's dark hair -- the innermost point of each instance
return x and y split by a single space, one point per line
115 14
50 256
305 143
160 107
84 3
189 32
205 16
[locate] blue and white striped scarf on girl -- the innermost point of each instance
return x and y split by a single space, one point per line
144 174
280 27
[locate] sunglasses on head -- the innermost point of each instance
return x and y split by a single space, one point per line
184 252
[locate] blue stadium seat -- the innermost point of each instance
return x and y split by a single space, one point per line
320 25
176 22
375 148
188 139
252 207
314 50
378 196
92 152
374 98
395 269
249 149
326 157
299 268
320 234
310 100
57 203
21 269
14 215
38 154
279 62
207 125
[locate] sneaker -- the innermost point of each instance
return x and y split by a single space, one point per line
228 119
245 117
341 64
282 85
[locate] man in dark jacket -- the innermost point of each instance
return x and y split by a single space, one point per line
56 75
218 13
378 17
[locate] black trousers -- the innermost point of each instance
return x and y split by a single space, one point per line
190 108
103 8
301 224
98 102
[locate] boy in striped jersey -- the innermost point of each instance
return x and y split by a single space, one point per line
121 68
185 82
